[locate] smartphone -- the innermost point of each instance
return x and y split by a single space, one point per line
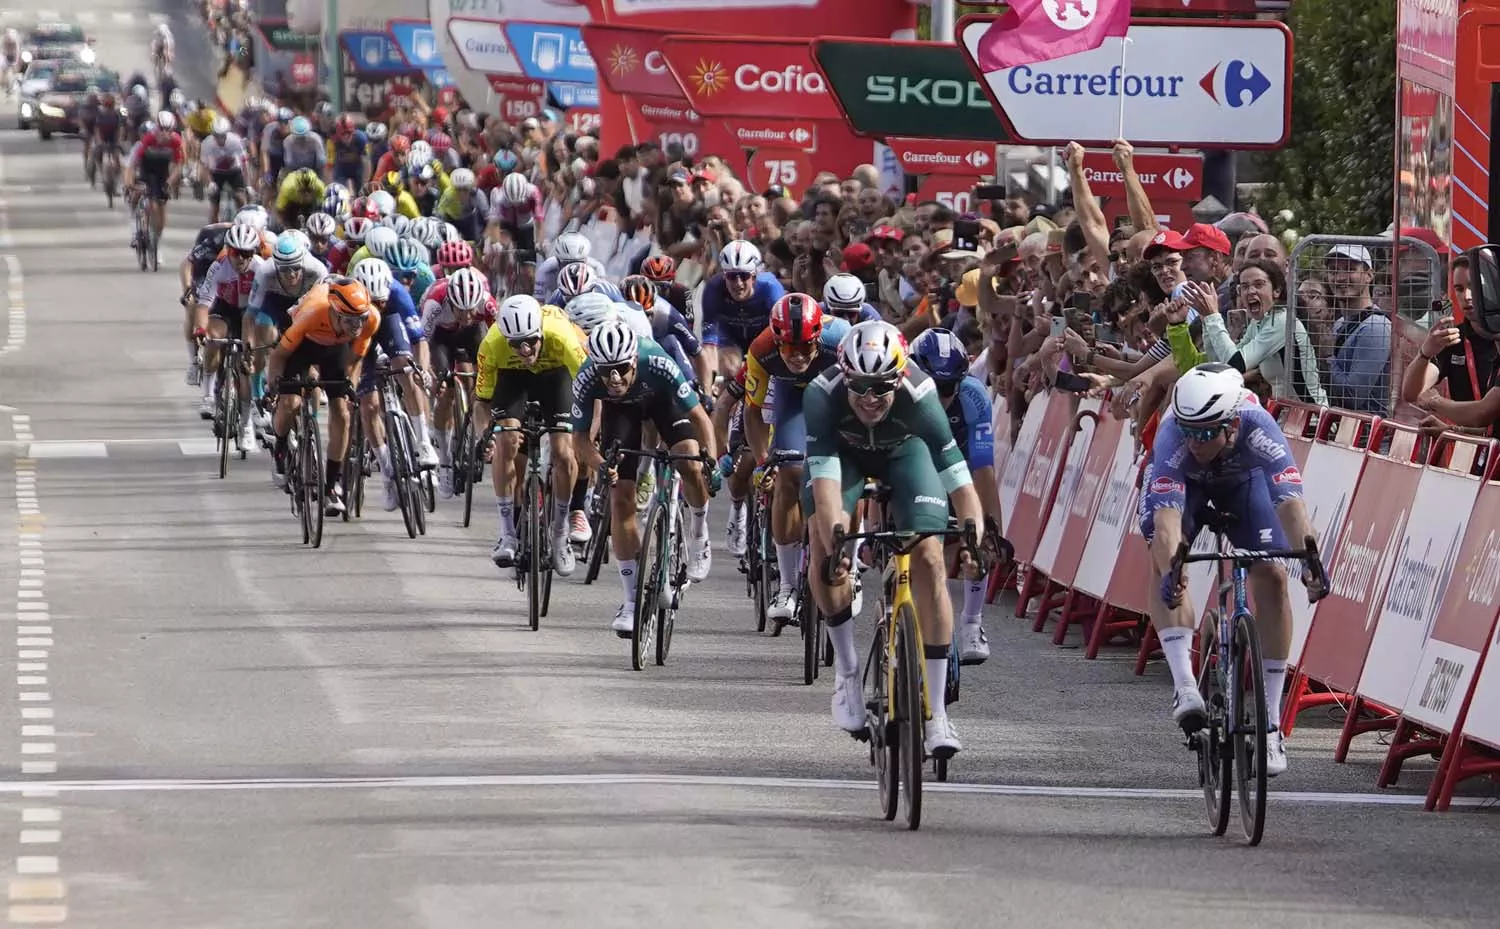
967 229
989 192
1067 380
1059 324
1083 302
1238 319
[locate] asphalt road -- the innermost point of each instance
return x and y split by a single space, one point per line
215 727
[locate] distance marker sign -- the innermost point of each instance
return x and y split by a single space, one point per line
1184 82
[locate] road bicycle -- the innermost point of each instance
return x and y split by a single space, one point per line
897 699
412 492
599 512
227 406
305 474
146 242
465 450
1232 680
661 580
533 564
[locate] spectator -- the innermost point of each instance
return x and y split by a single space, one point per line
1259 353
1460 354
1359 377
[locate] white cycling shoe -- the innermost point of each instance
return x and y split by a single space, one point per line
941 739
564 562
1275 754
700 558
848 704
973 646
624 621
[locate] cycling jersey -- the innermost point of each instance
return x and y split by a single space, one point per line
400 303
600 286
272 301
657 378
348 155
206 248
469 218
223 283
337 256
969 419
304 151
763 361
1249 478
314 320
222 157
675 335
201 121
516 216
157 150
561 348
417 281
864 314
436 314
731 322
911 449
292 194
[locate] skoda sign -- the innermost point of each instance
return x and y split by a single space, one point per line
1183 82
921 90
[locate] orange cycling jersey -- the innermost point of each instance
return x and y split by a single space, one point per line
315 320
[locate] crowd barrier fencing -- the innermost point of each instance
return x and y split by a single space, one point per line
1409 529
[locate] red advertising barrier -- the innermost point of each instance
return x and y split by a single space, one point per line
1029 513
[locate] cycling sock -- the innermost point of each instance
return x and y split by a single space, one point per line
1174 644
841 634
209 382
388 470
507 510
627 580
937 678
560 515
973 610
258 385
443 441
698 522
280 446
788 559
335 469
1275 674
192 348
426 427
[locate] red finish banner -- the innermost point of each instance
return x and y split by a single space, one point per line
750 76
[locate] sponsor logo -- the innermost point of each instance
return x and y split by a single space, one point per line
1266 536
661 113
683 390
577 412
622 60
1234 83
1289 476
903 91
1165 485
709 77
793 79
1267 446
929 501
1071 15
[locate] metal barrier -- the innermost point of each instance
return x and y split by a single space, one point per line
1361 305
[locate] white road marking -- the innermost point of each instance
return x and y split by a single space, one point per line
67 450
122 17
41 814
40 836
36 864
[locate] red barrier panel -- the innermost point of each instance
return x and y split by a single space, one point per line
1360 561
1029 514
1040 578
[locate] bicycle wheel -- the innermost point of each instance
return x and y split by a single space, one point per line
647 591
810 618
141 241
544 539
673 552
354 468
415 474
227 405
770 575
1215 759
401 466
464 457
294 492
312 475
532 548
1250 727
885 747
599 519
910 717
749 562
155 254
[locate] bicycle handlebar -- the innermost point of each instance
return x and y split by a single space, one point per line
900 542
1307 554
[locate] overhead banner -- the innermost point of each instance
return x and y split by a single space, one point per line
750 76
471 39
630 61
920 90
1185 82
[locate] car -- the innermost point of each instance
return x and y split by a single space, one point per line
57 109
56 40
33 84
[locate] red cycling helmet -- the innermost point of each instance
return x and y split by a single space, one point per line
400 144
440 142
660 268
796 319
455 254
637 289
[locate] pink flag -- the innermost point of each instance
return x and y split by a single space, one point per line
1040 30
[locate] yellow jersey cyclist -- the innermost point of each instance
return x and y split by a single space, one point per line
637 381
395 187
875 415
464 205
301 192
529 355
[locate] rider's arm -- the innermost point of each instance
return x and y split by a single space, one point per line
583 417
757 383
824 468
677 325
931 426
980 443
1164 493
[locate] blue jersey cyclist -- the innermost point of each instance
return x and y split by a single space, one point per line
941 354
1217 447
736 306
581 278
844 297
669 328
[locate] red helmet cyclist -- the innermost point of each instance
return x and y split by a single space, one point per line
796 319
660 269
637 289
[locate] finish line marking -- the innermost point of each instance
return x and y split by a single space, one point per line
188 785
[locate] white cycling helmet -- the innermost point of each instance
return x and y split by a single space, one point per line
520 317
515 188
166 120
380 240
253 215
589 311
612 342
376 276
428 231
463 179
740 257
844 292
356 228
243 237
383 202
419 156
1208 395
467 289
320 225
575 279
872 350
222 125
375 132
570 247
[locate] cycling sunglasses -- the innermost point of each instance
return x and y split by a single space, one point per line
798 349
619 369
948 389
865 386
1202 433
527 346
738 276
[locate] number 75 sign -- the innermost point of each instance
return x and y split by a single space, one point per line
770 167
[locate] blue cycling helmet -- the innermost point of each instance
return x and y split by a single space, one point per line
289 251
941 355
336 201
407 256
300 126
505 160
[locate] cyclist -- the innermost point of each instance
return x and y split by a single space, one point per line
422 184
321 229
455 312
736 306
349 153
137 109
941 356
579 278
343 248
637 381
668 327
844 297
223 154
156 162
567 249
162 51
464 205
219 310
332 330
529 355
408 259
106 132
300 193
273 146
514 211
661 270
1217 447
278 285
876 416
451 256
88 115
798 345
402 203
304 149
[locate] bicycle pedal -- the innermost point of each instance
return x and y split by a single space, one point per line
622 635
943 753
862 735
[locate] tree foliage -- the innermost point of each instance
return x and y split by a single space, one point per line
1335 173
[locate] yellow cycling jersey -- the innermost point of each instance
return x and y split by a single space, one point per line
562 347
292 193
201 121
